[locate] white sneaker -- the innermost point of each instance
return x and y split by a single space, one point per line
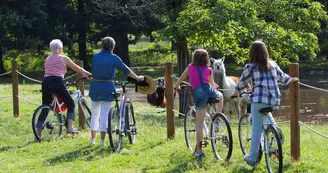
102 144
92 141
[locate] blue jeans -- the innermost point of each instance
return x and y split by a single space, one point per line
257 122
201 97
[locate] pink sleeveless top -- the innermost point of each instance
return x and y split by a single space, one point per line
54 66
194 76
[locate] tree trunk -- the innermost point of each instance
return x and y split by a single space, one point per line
82 34
122 46
185 96
2 69
182 55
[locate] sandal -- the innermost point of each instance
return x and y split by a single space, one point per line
74 131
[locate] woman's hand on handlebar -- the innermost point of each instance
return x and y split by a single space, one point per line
89 77
177 88
140 78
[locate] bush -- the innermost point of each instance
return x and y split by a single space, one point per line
26 60
151 54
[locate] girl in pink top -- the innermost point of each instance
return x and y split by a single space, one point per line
202 83
55 68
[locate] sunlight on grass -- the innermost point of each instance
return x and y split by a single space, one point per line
152 152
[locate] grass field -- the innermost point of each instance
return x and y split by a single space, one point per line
152 152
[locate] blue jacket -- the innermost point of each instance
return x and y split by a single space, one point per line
103 67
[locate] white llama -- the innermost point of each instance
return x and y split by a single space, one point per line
227 85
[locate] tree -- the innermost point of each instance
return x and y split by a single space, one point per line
178 38
288 28
120 18
21 27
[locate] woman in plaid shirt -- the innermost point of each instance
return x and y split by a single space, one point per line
264 76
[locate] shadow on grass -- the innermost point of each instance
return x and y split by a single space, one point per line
249 169
88 153
10 147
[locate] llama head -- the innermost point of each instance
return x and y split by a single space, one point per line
161 82
218 66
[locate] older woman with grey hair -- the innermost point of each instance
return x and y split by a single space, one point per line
55 68
103 70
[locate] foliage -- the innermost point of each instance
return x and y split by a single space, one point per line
22 28
288 28
151 54
26 61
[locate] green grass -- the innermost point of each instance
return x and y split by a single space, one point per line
152 152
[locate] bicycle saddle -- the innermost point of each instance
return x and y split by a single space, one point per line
115 95
213 100
266 110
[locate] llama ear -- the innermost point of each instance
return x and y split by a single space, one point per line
223 59
212 60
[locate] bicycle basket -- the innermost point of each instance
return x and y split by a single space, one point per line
63 107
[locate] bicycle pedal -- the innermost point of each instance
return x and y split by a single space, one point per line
204 143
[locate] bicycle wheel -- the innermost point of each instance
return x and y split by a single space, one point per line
245 135
190 128
112 130
221 137
273 150
130 123
86 110
46 123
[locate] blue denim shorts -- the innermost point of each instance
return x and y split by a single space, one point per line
201 97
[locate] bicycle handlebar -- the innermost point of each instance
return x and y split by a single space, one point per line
68 84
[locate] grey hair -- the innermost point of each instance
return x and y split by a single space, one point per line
108 43
55 44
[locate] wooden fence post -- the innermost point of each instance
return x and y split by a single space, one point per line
14 72
169 94
82 124
294 102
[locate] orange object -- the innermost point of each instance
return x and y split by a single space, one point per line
63 107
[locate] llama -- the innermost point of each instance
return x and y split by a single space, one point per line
158 97
227 85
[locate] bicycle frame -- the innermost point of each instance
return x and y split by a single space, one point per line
76 97
121 124
121 108
208 116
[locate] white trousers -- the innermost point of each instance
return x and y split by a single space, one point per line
99 115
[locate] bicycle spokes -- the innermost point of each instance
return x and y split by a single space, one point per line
190 129
221 137
46 123
273 150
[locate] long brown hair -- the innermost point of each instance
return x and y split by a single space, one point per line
201 57
259 55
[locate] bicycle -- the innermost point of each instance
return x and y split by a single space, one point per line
270 145
47 120
118 116
220 131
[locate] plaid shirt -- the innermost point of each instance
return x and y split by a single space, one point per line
264 85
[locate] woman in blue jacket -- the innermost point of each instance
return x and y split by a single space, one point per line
103 72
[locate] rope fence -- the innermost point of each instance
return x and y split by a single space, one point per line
3 74
294 101
38 81
301 123
313 87
5 97
26 100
